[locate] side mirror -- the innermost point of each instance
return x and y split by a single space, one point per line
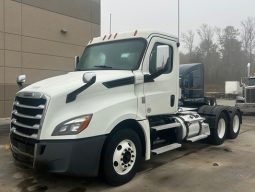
162 56
21 79
88 77
76 61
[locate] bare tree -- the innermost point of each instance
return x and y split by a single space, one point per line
206 34
208 52
232 55
248 37
188 41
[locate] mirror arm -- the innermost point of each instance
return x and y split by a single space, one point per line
72 96
20 85
151 77
181 83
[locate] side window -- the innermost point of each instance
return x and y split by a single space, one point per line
193 80
153 59
197 79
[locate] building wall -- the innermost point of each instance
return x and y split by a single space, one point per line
31 41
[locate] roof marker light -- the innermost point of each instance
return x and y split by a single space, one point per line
115 35
135 32
104 37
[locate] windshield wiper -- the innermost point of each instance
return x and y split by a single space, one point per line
103 66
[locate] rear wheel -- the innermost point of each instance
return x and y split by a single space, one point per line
218 133
122 157
235 125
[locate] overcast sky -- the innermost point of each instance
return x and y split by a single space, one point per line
162 14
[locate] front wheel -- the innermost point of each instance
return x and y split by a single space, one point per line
122 157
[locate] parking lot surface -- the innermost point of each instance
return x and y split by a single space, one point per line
194 167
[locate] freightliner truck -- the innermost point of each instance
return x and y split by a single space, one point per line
118 108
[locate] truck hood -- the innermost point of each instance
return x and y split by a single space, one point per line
71 81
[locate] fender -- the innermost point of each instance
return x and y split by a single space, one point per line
144 124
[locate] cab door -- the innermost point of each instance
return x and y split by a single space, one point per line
161 94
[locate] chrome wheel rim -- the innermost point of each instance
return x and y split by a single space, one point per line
221 128
124 157
236 123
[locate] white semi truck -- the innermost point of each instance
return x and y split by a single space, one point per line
119 107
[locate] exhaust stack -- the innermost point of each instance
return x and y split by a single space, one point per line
249 69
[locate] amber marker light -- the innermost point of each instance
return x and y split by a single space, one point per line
73 126
84 124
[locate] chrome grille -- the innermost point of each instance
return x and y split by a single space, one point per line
27 114
250 95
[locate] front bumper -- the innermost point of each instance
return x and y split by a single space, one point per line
246 107
79 157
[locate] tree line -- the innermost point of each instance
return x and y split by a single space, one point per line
225 52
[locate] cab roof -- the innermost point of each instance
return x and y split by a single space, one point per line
131 35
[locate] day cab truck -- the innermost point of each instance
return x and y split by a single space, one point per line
118 108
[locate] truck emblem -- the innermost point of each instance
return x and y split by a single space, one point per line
29 94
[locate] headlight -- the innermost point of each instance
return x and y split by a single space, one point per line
72 126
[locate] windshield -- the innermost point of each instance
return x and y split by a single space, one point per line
251 82
117 55
248 81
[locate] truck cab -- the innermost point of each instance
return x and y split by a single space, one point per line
118 107
192 86
246 101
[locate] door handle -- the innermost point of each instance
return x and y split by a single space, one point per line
172 100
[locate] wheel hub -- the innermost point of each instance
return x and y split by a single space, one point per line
236 123
127 157
124 157
221 128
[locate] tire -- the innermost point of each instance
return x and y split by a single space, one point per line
122 157
219 132
235 124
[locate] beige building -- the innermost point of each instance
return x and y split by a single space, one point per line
40 38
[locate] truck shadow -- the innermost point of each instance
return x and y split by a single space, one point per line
34 181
